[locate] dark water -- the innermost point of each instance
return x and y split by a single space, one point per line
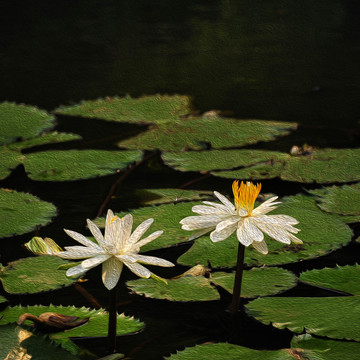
283 60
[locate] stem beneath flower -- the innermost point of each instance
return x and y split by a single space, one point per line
235 302
112 319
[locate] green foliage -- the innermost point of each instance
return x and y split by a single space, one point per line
23 212
197 133
34 274
77 164
9 160
321 166
333 317
96 326
147 109
22 121
343 278
316 241
257 281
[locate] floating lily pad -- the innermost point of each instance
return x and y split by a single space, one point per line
34 274
220 351
147 109
321 166
2 299
257 281
18 121
164 196
343 278
333 317
47 138
77 164
96 326
327 349
18 343
222 159
23 212
342 200
186 288
166 217
9 160
316 241
197 133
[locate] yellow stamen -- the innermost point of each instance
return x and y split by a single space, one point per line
245 195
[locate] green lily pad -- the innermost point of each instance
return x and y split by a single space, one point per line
18 343
23 212
166 217
321 166
47 138
77 164
147 109
9 160
217 351
222 159
2 299
316 241
327 349
257 281
22 121
342 200
343 278
186 288
333 317
165 196
197 133
34 274
96 326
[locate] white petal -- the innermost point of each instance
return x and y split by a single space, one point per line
138 270
152 260
221 207
260 247
201 221
127 258
78 252
254 232
94 261
123 232
294 239
204 210
229 205
266 206
80 238
227 222
96 233
111 271
136 247
274 231
224 233
108 228
139 232
243 233
75 271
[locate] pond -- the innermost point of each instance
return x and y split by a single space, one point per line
149 107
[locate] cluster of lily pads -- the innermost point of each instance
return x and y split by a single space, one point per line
207 144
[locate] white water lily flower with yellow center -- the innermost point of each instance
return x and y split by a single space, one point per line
118 247
250 224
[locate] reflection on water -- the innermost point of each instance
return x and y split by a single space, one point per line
284 60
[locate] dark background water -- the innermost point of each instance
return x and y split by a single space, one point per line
282 60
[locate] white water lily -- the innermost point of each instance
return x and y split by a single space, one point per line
250 224
118 247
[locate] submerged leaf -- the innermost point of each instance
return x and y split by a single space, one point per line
23 212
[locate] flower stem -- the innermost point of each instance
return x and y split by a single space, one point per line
235 302
112 320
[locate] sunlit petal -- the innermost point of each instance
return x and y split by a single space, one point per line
111 271
80 238
138 269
